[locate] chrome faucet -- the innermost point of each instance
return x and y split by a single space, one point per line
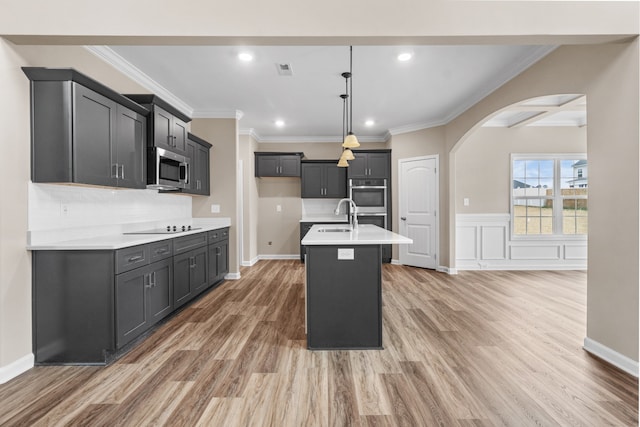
354 218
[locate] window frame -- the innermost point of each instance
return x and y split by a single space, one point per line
557 196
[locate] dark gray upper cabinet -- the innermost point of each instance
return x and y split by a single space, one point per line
370 164
167 125
323 179
83 132
198 151
277 164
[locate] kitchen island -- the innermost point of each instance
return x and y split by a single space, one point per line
344 285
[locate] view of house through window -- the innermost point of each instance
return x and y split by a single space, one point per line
549 195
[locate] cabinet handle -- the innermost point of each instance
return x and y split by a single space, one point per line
169 140
153 279
135 258
161 251
218 250
192 262
122 169
114 170
148 279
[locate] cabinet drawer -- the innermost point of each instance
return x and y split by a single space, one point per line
130 258
160 250
218 235
186 243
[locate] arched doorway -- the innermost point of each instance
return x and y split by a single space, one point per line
522 187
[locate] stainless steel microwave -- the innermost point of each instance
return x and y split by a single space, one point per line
167 170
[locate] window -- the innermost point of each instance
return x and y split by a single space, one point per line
549 195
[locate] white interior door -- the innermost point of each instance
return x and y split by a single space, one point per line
418 206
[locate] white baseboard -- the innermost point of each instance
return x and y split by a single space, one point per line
232 276
250 263
396 262
448 270
16 368
621 361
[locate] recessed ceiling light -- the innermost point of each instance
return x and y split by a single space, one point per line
245 56
405 56
369 122
279 123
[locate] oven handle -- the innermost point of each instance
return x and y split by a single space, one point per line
367 187
371 214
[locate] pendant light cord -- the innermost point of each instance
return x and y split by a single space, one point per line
350 89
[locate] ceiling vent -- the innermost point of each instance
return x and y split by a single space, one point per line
284 69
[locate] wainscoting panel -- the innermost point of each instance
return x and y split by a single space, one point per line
483 241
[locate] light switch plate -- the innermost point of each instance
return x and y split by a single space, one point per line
345 253
215 208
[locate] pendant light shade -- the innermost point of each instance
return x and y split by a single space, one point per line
351 141
342 163
348 154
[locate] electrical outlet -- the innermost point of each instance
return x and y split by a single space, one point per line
278 208
465 201
64 210
215 208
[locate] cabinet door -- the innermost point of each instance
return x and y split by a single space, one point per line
93 138
223 259
336 182
130 148
181 279
289 165
312 183
162 128
160 291
202 168
378 165
199 277
131 315
179 133
213 263
267 165
358 166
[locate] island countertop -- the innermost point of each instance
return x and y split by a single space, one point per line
364 234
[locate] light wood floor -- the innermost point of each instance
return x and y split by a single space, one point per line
476 349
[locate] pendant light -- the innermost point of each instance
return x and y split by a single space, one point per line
350 141
342 162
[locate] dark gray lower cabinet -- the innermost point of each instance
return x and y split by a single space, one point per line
89 304
344 297
190 275
143 297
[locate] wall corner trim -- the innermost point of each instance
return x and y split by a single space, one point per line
16 368
232 276
605 353
448 270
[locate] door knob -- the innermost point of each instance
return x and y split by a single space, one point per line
404 218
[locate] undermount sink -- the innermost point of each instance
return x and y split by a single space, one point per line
334 230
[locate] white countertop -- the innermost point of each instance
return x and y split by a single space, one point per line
120 240
365 234
325 218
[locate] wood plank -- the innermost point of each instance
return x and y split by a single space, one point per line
477 349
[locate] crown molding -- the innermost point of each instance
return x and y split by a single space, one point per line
109 56
415 127
229 114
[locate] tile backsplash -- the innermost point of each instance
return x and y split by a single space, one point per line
320 207
54 207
